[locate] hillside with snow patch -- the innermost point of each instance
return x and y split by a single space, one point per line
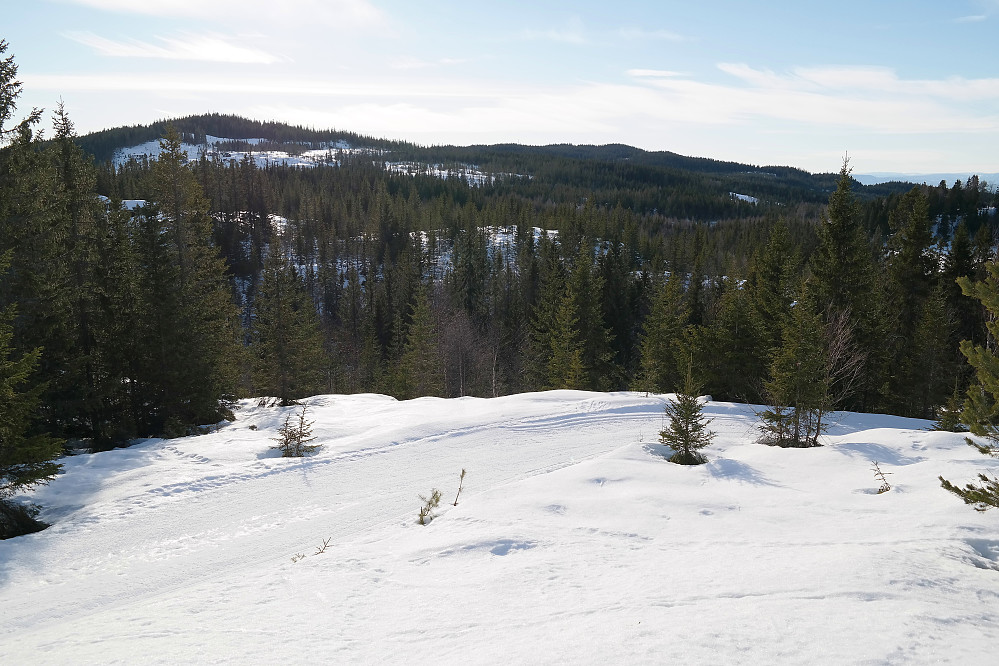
573 541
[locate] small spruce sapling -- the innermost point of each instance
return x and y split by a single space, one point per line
322 549
461 482
293 438
880 476
687 431
429 504
949 415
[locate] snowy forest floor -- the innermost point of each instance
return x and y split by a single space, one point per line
573 541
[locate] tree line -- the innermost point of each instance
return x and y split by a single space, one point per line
235 280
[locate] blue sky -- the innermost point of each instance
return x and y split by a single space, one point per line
900 86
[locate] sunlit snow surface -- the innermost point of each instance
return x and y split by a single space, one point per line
573 541
214 147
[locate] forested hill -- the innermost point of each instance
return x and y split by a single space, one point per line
613 174
102 145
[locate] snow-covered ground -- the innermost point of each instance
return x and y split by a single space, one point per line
573 541
213 147
743 197
326 154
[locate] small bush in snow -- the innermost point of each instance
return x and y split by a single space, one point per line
322 549
461 482
880 476
294 437
429 504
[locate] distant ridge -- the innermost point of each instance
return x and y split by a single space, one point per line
878 178
598 165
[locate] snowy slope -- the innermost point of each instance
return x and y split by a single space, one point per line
213 148
573 542
328 154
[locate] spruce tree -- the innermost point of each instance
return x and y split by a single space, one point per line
191 346
774 285
289 361
544 322
565 368
27 458
117 309
85 386
959 263
420 366
929 369
798 388
918 334
661 341
595 338
27 452
843 270
687 432
33 230
737 356
981 406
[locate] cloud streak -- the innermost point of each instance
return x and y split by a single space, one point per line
572 33
206 48
765 113
864 99
326 12
869 99
662 35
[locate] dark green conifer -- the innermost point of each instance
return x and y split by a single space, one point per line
27 458
586 285
289 360
421 366
687 432
798 388
565 368
660 345
191 343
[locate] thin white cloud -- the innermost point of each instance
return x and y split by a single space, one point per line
873 81
806 116
169 83
641 33
808 98
572 33
327 12
986 9
652 73
207 48
409 62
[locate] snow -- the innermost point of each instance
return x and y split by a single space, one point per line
470 173
573 541
326 154
744 197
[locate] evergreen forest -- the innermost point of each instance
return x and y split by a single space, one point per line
567 267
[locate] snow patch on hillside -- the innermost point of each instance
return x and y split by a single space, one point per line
330 154
743 197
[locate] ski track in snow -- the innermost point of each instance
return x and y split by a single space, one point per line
572 542
175 504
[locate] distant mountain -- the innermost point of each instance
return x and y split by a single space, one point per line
598 169
880 177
